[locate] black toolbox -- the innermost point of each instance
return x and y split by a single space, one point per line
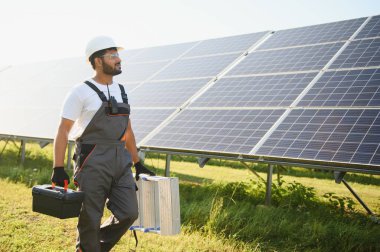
56 201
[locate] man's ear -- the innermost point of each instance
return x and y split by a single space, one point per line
98 62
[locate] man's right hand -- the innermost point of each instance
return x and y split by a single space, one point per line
59 175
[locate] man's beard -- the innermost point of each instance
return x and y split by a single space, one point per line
107 69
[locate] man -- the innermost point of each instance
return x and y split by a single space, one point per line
105 150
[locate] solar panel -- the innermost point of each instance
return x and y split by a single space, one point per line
359 53
165 93
196 67
286 60
255 91
345 88
230 44
162 52
331 32
145 121
37 118
133 72
67 73
228 131
129 87
371 29
333 135
23 74
129 55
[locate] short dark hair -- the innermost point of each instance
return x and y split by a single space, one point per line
99 54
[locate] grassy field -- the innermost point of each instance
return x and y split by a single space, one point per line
221 210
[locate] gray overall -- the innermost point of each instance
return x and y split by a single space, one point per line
103 172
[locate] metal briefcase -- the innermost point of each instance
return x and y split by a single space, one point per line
57 201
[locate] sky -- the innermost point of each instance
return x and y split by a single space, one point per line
42 30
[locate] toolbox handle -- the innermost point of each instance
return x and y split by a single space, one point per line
65 186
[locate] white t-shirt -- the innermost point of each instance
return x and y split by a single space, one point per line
81 104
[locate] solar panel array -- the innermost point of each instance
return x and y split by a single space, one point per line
306 95
337 119
315 88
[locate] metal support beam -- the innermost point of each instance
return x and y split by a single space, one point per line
268 193
339 177
167 165
5 145
252 170
357 197
69 155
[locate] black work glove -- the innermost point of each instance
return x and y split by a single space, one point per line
140 168
59 176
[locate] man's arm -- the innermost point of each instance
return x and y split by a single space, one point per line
130 143
60 142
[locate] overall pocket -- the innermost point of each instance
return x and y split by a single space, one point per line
80 158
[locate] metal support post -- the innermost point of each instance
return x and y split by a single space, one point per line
69 156
167 165
357 197
268 193
23 143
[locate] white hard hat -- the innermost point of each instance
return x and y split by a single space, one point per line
100 43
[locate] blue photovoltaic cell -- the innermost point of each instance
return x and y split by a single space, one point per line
333 135
286 60
371 29
227 131
165 93
144 121
231 44
167 52
331 32
134 72
359 53
208 66
255 91
345 88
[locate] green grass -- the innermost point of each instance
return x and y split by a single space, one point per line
221 209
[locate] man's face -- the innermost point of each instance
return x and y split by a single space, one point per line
111 63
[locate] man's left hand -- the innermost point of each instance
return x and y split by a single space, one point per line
140 168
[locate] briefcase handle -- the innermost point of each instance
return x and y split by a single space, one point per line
65 186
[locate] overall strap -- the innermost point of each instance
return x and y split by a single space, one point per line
123 94
100 93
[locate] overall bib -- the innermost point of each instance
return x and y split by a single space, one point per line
103 172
